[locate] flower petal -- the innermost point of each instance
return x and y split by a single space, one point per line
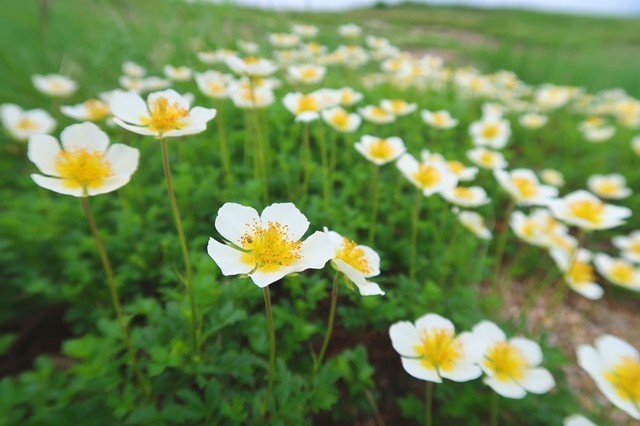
537 380
315 252
404 338
286 214
56 185
84 135
123 159
234 220
462 373
415 368
128 107
431 321
228 259
530 349
42 151
507 388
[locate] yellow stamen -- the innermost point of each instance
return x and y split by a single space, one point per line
625 379
427 176
608 188
164 116
81 168
354 256
506 361
96 110
622 273
438 349
580 273
589 210
456 167
340 119
490 131
525 186
308 74
307 103
378 112
270 248
463 192
25 123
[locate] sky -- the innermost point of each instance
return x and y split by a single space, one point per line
589 7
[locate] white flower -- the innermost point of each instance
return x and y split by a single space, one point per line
248 47
486 158
472 196
341 120
532 120
430 177
577 420
552 177
350 30
164 114
523 186
578 272
356 262
398 107
439 119
511 365
153 83
475 223
491 132
492 111
541 229
247 98
431 351
284 40
90 110
598 134
462 172
213 84
22 124
376 114
85 165
585 210
612 186
132 69
181 73
380 151
305 108
55 85
305 31
251 66
615 367
629 246
618 271
635 145
307 74
267 246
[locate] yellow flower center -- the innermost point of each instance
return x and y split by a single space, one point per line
634 247
307 103
438 349
340 119
346 97
490 131
398 105
589 210
250 60
581 273
506 361
607 188
380 149
529 228
378 112
456 167
625 379
313 47
308 74
96 110
215 87
463 192
354 256
164 116
269 249
526 187
25 123
81 168
426 176
622 272
487 158
439 119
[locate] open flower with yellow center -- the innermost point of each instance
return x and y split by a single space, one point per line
305 108
466 196
578 272
54 85
577 420
458 168
523 186
377 115
284 40
540 229
307 74
248 47
475 223
164 114
213 84
267 246
356 262
486 158
380 151
635 145
21 124
350 30
618 271
181 73
511 365
491 132
84 165
552 177
431 351
248 98
89 110
615 367
341 120
430 177
532 120
349 97
438 119
398 107
598 134
305 30
612 186
251 66
133 69
629 246
585 210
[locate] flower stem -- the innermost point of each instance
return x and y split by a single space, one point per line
224 150
187 278
324 158
501 244
332 315
414 235
495 409
428 404
272 349
115 297
305 159
374 204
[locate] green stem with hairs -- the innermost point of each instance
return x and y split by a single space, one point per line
332 315
495 408
428 402
414 234
272 350
374 203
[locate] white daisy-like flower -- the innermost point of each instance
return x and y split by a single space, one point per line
248 47
213 84
577 420
284 40
164 114
356 262
486 158
133 69
585 210
350 30
305 30
431 351
629 246
438 119
578 272
618 271
552 177
268 246
181 73
247 98
54 85
491 132
430 177
612 186
463 196
85 164
523 186
307 73
532 120
511 365
462 172
475 223
341 120
349 97
251 66
398 107
615 367
599 134
21 124
380 151
305 108
89 110
635 145
377 115
540 229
